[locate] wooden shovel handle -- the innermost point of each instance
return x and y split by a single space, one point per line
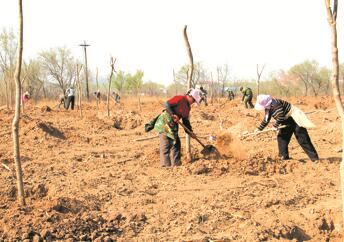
188 130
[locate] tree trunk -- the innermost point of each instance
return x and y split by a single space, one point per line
21 98
332 19
15 123
188 47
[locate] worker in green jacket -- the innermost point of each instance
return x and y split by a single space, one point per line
247 96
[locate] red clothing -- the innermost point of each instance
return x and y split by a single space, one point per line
25 98
180 106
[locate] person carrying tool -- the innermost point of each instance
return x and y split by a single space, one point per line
294 120
178 107
247 96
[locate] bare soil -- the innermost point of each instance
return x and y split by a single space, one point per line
87 179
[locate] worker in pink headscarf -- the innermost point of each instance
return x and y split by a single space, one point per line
25 97
294 120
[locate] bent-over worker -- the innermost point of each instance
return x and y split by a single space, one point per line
293 118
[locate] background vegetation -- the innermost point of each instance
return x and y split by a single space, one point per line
49 75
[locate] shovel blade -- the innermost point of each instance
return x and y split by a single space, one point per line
209 149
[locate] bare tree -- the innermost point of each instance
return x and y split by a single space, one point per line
332 20
15 123
112 64
259 73
190 73
8 46
60 66
222 75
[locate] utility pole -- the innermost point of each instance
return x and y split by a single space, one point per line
86 74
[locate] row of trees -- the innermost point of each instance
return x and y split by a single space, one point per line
54 70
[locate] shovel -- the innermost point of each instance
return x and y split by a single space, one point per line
207 149
246 134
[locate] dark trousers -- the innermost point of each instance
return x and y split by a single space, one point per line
248 101
70 101
301 134
169 148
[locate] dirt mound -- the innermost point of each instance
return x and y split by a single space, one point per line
130 120
207 116
255 166
229 145
323 105
289 232
59 225
46 109
264 166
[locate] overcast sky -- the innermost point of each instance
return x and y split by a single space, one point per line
148 34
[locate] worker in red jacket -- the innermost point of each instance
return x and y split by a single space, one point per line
177 108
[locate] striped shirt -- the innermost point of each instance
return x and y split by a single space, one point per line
278 110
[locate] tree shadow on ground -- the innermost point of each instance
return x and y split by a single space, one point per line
51 130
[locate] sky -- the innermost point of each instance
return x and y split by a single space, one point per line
148 34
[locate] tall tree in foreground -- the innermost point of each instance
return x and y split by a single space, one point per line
15 123
332 20
188 48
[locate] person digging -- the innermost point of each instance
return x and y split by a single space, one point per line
247 96
294 120
178 107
